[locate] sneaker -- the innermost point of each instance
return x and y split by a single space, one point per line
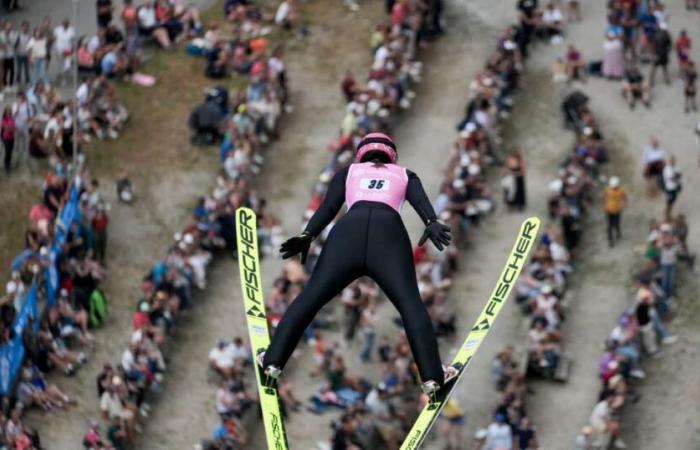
619 443
668 340
271 371
638 373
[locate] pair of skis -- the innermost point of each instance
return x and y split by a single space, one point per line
251 285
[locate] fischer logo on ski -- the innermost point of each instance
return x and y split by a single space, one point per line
256 319
483 324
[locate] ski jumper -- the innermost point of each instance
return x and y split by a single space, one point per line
369 240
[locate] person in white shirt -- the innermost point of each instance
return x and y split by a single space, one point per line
64 36
149 26
653 157
38 50
23 38
9 39
222 359
603 423
23 113
499 435
239 351
671 182
552 21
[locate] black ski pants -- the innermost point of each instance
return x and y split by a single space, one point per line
370 240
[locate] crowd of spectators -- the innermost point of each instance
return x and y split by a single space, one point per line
641 327
39 123
639 330
62 276
636 33
170 287
241 47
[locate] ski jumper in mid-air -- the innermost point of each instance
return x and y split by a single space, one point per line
369 240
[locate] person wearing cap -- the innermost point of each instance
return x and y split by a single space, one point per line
615 201
499 435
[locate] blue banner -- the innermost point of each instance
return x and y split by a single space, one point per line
12 353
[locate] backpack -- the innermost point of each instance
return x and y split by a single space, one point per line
98 308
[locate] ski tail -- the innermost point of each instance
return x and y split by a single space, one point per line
256 318
516 261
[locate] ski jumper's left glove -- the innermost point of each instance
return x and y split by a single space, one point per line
438 234
297 245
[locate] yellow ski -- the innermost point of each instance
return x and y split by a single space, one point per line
251 285
431 411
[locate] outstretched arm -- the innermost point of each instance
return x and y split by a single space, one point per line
438 233
335 197
416 196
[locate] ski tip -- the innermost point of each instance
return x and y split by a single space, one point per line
533 220
530 225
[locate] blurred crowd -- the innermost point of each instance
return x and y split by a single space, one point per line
38 123
60 270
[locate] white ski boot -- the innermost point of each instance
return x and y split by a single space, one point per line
270 371
431 386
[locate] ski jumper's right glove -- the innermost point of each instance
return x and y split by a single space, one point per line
438 233
297 244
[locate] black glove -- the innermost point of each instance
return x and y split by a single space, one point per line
438 233
297 244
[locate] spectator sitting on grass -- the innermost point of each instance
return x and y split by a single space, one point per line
149 26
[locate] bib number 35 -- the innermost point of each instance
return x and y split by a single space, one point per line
374 184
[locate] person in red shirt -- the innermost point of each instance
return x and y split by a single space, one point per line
348 86
99 228
7 132
141 318
400 12
683 45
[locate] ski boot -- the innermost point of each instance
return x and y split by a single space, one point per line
272 373
430 387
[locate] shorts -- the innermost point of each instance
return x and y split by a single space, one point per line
459 420
661 60
654 169
671 197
